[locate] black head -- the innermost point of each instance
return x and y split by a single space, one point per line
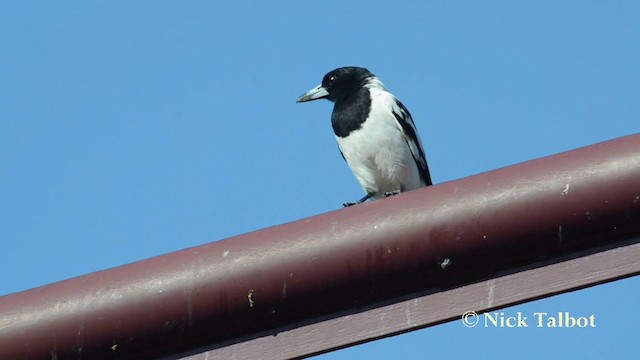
338 84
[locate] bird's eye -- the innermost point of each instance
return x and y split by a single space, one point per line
332 79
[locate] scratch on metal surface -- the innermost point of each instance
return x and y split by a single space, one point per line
445 263
190 306
407 313
250 298
560 233
490 296
80 335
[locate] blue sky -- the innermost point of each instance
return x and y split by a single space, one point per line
132 129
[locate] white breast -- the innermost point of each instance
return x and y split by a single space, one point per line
378 153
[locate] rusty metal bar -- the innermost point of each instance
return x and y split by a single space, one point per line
430 239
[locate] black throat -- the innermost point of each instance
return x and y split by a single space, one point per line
351 112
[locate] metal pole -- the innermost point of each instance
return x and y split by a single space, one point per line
438 237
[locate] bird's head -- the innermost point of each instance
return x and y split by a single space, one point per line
338 84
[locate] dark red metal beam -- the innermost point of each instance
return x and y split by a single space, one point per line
434 238
543 279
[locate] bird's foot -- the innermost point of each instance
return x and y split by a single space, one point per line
391 193
365 198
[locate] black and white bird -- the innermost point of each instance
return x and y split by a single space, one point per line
375 133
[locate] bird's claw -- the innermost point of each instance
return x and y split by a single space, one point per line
365 198
391 193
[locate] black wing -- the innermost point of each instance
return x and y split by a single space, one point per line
403 117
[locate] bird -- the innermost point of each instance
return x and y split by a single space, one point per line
375 133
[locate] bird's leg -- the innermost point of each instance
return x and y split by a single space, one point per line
391 193
365 198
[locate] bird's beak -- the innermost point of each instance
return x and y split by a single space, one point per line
316 93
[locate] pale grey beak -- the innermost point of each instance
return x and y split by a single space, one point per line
316 93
